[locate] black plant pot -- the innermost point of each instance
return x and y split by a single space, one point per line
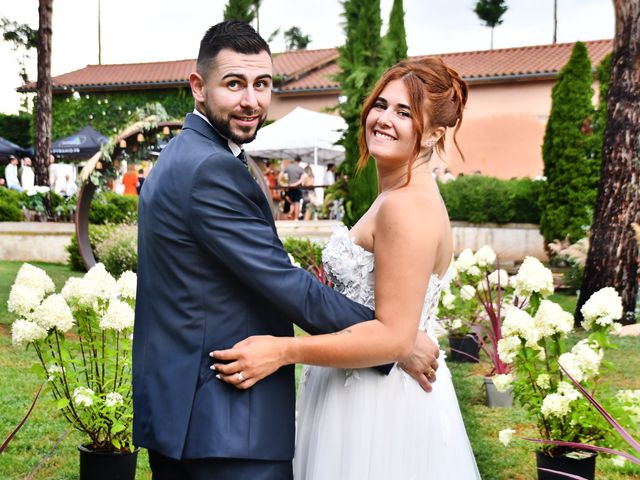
96 465
464 349
584 467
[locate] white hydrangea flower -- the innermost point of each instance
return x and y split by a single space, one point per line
508 348
456 324
544 381
23 300
53 371
81 290
520 323
502 382
113 399
588 356
452 272
618 461
551 319
629 396
119 316
54 312
499 276
448 300
567 389
293 261
555 405
24 331
485 256
465 261
467 292
505 436
83 396
474 271
34 277
603 307
127 284
570 364
104 284
533 277
616 328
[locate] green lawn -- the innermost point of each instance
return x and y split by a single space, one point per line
46 443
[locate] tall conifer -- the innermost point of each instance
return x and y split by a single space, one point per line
243 10
568 197
359 60
394 43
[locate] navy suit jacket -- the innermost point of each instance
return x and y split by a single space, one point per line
211 272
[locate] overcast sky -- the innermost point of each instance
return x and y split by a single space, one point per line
156 30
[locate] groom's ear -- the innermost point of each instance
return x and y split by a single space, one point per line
197 86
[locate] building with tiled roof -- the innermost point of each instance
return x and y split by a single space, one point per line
509 96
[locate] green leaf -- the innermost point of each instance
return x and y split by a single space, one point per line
62 403
117 427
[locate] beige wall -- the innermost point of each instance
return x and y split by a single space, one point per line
283 104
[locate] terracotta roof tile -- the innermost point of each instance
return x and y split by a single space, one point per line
313 69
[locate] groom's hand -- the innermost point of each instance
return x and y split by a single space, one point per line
423 361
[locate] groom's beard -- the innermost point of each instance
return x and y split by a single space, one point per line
223 126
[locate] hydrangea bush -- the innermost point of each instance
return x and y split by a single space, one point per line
82 338
535 343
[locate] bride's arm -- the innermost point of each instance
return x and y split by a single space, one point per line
405 252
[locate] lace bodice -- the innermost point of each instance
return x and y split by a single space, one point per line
351 269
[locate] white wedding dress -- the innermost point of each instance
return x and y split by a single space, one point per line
362 425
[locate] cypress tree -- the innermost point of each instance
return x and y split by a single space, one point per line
358 61
571 168
240 10
394 43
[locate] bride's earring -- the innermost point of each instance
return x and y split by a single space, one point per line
430 144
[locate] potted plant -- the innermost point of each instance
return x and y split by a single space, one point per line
535 344
82 340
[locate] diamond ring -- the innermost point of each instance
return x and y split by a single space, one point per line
240 377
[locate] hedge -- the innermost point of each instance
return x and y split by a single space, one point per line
109 207
480 199
10 205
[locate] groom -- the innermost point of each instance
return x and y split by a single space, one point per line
211 272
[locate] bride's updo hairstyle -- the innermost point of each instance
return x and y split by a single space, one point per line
437 96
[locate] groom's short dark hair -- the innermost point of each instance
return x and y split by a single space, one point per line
232 34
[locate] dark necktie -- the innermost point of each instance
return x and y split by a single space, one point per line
243 157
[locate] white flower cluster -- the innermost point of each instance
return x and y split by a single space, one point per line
583 361
519 323
500 277
53 371
502 382
119 316
505 436
28 290
448 300
24 331
603 308
467 292
96 284
465 261
544 381
127 285
508 348
630 400
83 396
533 277
113 399
551 319
485 257
559 404
54 312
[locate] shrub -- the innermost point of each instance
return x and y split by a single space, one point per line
480 199
10 202
108 207
119 250
97 234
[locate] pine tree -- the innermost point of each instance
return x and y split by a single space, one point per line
243 10
571 169
358 62
490 12
394 43
295 39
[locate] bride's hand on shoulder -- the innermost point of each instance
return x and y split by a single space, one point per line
250 360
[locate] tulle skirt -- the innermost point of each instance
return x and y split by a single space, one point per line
362 425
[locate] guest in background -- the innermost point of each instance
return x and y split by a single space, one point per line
11 174
130 181
140 180
330 175
294 174
27 176
3 183
448 176
309 199
435 173
67 187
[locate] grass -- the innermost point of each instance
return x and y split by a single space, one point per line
47 449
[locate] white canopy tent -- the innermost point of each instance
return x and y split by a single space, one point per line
311 135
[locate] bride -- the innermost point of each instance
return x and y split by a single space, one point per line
356 423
